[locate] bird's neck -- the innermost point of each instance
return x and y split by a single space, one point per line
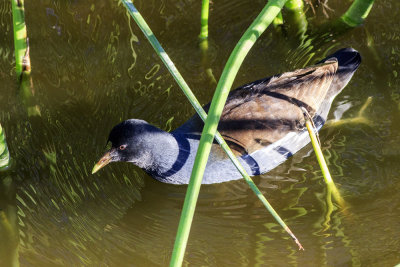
159 151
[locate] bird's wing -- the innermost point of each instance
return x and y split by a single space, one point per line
262 112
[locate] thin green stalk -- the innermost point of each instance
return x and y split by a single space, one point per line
324 167
4 153
318 152
186 90
357 12
22 58
22 61
204 19
164 57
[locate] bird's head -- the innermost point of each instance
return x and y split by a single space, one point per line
126 140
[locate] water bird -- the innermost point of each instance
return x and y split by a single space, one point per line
262 122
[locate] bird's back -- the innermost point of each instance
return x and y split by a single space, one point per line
263 122
262 112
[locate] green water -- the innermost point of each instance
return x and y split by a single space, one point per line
92 68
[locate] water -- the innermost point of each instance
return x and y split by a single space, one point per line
92 68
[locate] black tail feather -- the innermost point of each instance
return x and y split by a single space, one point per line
348 59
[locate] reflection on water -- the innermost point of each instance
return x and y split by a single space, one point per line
8 222
93 68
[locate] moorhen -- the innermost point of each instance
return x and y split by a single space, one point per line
262 122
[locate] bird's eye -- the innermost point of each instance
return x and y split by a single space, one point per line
122 147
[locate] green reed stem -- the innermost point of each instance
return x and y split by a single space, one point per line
357 12
4 153
324 167
258 26
164 57
204 19
189 94
318 152
294 5
22 61
297 17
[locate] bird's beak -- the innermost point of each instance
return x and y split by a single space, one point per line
102 162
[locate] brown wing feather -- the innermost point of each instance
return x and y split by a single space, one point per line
262 112
256 117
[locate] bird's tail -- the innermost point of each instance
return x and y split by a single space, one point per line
348 62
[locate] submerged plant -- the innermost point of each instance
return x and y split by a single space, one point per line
4 153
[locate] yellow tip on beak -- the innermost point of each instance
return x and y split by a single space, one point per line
102 162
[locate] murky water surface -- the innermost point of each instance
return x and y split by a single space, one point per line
92 68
